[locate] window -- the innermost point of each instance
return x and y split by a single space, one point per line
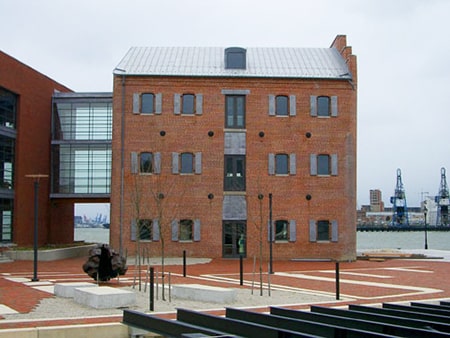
186 228
281 105
234 173
281 230
146 163
6 213
235 58
147 103
323 106
6 162
8 103
324 165
188 104
145 229
187 163
323 230
282 164
235 111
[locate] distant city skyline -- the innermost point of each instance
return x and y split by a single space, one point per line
92 210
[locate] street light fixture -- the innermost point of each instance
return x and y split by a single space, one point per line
426 234
36 178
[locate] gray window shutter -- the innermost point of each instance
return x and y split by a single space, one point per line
313 104
312 231
158 103
292 230
177 104
271 164
196 230
292 164
157 159
334 106
313 164
334 231
133 230
199 104
156 229
175 166
175 230
292 105
268 231
134 162
198 163
136 103
334 164
271 105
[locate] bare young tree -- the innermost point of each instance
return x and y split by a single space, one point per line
136 199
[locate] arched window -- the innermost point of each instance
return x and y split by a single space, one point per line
281 230
188 104
146 163
323 106
281 105
147 103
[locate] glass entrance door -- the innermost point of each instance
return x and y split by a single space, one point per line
234 239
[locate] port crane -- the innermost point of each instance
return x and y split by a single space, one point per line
442 201
400 208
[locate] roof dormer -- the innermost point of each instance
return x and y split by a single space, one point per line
235 58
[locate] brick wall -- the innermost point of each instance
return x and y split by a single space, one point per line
187 196
32 148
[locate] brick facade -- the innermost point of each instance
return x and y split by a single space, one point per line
300 198
32 154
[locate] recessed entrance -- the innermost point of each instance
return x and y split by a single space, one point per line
234 237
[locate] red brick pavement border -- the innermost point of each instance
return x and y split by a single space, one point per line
410 273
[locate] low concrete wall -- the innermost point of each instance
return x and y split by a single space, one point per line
204 293
52 254
109 330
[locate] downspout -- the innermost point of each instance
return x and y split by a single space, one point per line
122 158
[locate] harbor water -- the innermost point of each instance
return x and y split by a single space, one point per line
437 240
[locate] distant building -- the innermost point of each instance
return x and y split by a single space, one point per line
376 201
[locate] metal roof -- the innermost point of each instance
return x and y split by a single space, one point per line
210 61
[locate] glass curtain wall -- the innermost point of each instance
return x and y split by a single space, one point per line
81 145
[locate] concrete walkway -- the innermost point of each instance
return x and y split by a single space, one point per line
361 282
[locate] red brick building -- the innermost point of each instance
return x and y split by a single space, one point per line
25 135
210 144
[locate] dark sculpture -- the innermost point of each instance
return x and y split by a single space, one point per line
104 263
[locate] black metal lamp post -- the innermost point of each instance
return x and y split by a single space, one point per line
36 178
425 221
270 235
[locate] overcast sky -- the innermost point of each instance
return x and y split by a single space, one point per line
403 50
